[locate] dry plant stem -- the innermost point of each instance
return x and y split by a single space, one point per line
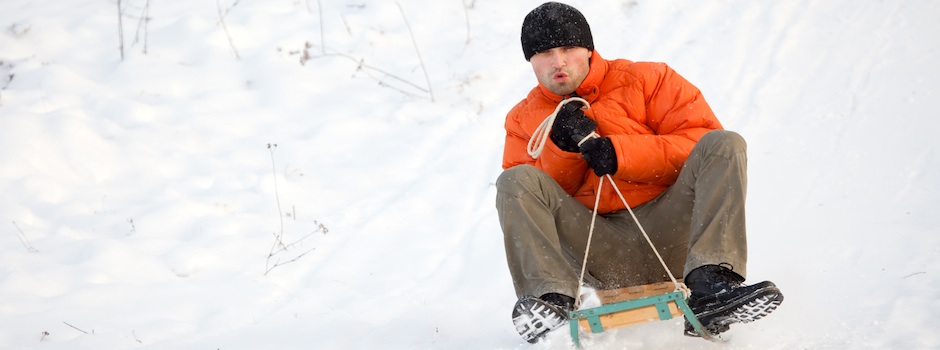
415 44
22 237
146 24
230 8
225 28
322 35
362 66
278 246
76 328
284 247
279 263
120 31
5 85
143 22
466 18
277 197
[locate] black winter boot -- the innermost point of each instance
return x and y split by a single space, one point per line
536 316
719 299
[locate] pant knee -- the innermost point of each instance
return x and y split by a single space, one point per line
724 141
512 179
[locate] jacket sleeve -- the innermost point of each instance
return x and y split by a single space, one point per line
677 116
567 168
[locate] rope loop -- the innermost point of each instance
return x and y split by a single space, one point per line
541 134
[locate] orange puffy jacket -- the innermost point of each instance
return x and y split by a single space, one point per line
652 115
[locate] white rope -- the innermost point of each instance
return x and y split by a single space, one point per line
535 147
541 134
592 135
679 286
587 247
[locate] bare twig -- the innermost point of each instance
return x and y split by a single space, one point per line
229 9
120 30
5 85
415 44
346 24
370 69
145 20
146 25
284 247
279 263
364 66
277 197
225 28
322 35
76 328
22 237
278 246
466 18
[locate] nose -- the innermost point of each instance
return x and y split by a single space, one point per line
558 59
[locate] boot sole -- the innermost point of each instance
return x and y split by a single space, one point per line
743 309
533 318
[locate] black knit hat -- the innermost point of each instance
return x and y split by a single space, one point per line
554 25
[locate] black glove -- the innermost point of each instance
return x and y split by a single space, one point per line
571 126
600 155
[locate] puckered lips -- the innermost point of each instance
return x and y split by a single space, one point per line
560 77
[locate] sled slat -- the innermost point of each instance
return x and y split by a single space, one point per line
610 296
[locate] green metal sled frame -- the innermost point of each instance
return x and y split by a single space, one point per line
661 302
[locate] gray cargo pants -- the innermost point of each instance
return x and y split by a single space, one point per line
698 220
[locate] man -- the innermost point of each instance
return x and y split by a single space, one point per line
684 177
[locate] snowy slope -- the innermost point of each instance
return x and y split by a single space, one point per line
142 196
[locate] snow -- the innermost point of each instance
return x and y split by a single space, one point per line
142 196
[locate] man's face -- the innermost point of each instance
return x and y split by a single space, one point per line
561 69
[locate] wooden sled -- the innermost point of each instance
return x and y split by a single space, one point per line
634 305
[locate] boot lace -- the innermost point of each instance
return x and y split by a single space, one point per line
726 273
